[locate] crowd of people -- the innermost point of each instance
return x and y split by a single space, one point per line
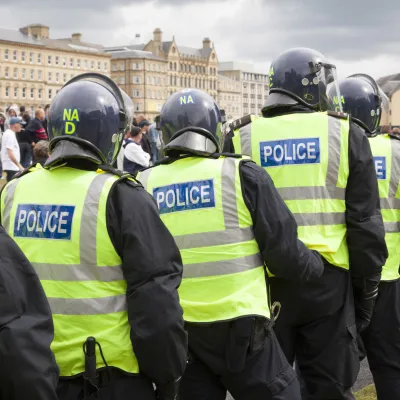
23 140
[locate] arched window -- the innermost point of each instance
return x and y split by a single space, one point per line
170 66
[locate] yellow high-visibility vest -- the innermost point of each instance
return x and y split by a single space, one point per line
63 233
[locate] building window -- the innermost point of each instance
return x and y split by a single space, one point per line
6 72
15 55
174 66
122 80
23 93
153 82
23 73
98 65
57 60
136 93
121 66
32 74
39 58
105 66
65 78
71 62
15 92
64 62
114 67
49 77
31 57
137 107
57 77
6 54
50 94
7 91
40 91
147 67
153 94
32 93
23 56
78 63
92 65
137 79
15 73
170 66
153 67
49 60
85 64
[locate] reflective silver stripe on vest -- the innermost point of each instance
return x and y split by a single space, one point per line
392 227
92 306
334 146
392 202
225 267
8 203
144 177
312 192
312 219
245 140
67 272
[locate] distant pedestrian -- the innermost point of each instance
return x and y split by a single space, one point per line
36 126
25 140
146 142
21 111
46 116
11 112
155 142
10 153
135 158
41 152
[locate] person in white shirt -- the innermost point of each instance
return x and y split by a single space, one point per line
135 158
10 154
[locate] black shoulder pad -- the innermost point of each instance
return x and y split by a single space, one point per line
239 123
337 114
393 136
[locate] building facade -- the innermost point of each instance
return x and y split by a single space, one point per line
185 67
34 67
143 77
254 86
229 97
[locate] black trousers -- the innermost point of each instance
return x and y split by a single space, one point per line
26 153
382 341
119 387
239 356
10 174
316 327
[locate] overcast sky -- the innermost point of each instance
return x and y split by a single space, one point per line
357 35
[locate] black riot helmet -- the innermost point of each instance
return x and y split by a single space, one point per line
92 111
305 76
363 100
190 121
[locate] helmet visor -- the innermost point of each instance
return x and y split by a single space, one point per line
309 83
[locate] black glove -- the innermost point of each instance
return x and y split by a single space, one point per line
168 391
365 294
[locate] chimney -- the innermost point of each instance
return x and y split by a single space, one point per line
37 31
157 35
157 39
206 43
76 37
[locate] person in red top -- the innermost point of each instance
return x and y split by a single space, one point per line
35 127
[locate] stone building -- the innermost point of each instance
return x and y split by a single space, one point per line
33 67
186 67
229 97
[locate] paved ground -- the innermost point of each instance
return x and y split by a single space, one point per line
364 379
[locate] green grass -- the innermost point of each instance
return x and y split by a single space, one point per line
368 393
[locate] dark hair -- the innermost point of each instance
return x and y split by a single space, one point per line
22 109
46 107
135 131
26 116
41 150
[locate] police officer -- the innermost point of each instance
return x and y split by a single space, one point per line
227 219
28 369
108 265
363 100
323 168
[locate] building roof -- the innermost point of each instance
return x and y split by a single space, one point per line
136 54
191 51
389 84
9 35
166 46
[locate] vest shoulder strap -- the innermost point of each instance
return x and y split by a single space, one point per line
392 136
121 175
241 122
337 114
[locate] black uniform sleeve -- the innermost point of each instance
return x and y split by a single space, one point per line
365 230
228 143
28 369
152 267
275 228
